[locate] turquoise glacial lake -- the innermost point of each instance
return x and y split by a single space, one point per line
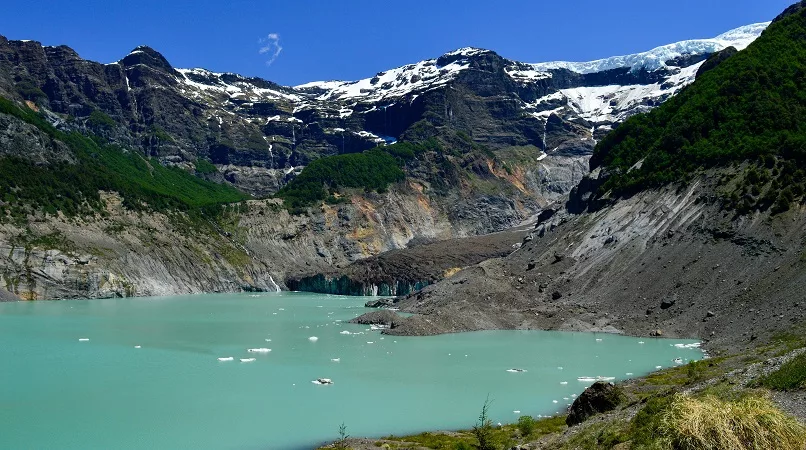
144 373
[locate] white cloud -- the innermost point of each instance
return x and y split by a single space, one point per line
270 45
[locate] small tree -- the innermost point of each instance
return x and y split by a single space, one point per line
483 429
343 436
526 424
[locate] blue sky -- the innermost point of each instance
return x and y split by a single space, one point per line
343 39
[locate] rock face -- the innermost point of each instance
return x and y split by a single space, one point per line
599 398
383 317
671 244
403 271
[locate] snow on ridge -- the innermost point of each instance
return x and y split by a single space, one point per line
240 88
468 51
656 58
392 83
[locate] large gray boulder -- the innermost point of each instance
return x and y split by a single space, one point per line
600 397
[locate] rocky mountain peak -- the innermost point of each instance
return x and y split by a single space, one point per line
147 56
797 8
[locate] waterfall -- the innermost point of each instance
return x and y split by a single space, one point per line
276 287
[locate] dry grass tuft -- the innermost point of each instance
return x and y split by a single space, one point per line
750 423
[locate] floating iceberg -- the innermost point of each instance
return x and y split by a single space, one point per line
516 370
589 379
247 359
226 358
83 339
259 350
313 338
322 381
335 359
694 345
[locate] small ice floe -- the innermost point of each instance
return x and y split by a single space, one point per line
640 342
517 411
319 306
629 374
280 309
226 358
565 398
516 370
573 396
694 345
268 340
313 338
659 367
559 368
273 314
344 332
378 327
598 339
586 379
563 382
370 342
248 359
554 401
335 359
83 339
137 346
259 350
322 381
678 360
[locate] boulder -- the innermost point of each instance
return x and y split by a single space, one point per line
600 397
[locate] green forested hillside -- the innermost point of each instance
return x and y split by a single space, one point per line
373 169
752 107
73 188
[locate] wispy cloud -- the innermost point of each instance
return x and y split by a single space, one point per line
270 45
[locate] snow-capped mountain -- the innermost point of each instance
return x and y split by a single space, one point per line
259 133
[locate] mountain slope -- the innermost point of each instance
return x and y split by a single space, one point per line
673 257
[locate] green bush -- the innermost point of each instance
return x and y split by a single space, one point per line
29 91
790 376
526 425
204 166
98 119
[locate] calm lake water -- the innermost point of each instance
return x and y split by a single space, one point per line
59 391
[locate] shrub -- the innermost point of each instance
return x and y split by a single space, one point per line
98 119
526 425
791 375
483 429
745 424
204 166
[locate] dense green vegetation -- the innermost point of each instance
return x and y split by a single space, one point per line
791 375
752 108
204 166
99 119
74 188
372 170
